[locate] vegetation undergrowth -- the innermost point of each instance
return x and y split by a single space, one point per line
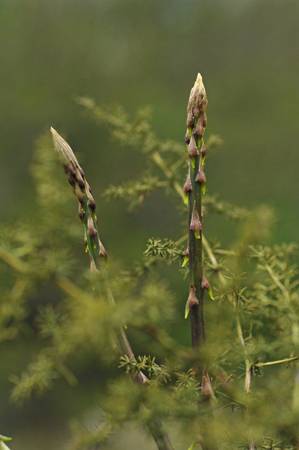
236 386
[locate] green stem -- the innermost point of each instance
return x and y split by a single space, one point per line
13 261
196 258
248 365
278 283
96 249
160 163
155 427
194 186
278 362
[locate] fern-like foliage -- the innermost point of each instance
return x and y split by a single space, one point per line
251 311
134 193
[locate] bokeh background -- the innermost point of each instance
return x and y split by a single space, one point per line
138 53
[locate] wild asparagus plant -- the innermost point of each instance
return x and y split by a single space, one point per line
96 249
254 332
252 306
88 217
86 202
194 187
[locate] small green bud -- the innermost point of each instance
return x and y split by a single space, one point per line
92 204
71 173
190 120
188 135
192 299
102 251
198 100
79 194
192 148
80 181
93 267
195 224
185 261
199 130
205 283
91 228
186 251
185 257
81 213
201 176
203 151
188 185
206 386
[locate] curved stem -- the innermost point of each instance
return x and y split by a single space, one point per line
95 249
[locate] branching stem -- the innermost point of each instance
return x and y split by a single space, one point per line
96 249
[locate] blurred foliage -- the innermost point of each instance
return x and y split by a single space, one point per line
140 53
252 322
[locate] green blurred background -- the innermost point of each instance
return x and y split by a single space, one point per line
138 53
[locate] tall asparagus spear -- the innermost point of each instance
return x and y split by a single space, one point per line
96 250
194 187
